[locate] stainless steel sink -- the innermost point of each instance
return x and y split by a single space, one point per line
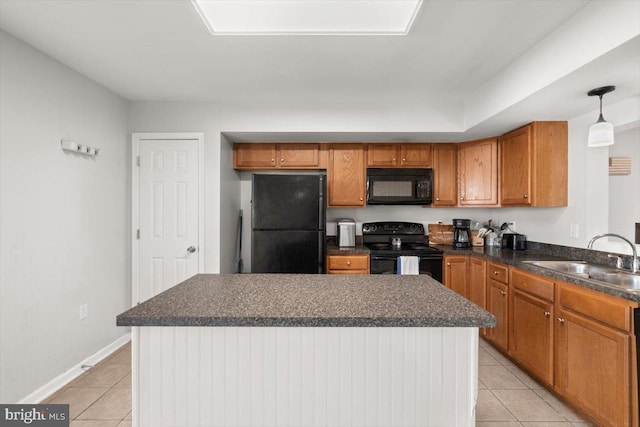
599 273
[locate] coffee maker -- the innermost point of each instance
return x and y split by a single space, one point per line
461 233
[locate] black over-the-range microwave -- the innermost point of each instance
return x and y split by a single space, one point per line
386 186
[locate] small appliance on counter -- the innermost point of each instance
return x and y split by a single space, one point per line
461 233
514 241
346 232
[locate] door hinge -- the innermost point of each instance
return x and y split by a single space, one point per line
138 161
138 233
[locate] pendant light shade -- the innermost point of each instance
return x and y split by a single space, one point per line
601 132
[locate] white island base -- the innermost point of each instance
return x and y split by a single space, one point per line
304 376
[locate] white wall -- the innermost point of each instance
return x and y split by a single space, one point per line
63 218
624 208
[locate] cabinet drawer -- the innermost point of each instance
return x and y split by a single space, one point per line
498 272
348 262
532 284
606 309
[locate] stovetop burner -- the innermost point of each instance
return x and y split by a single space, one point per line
378 237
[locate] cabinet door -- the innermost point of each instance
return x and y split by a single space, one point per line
444 175
254 156
593 368
531 334
477 281
456 275
415 155
346 175
478 284
299 156
498 305
383 155
478 173
516 158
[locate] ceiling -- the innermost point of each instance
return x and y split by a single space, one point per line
159 50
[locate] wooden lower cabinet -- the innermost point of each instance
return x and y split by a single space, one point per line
498 305
478 281
456 273
531 335
593 354
348 264
531 323
577 341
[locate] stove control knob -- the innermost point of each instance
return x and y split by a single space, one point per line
413 227
365 228
374 228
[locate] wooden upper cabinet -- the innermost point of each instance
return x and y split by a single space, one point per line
285 156
478 172
444 175
346 175
533 161
254 156
416 155
299 155
383 155
399 155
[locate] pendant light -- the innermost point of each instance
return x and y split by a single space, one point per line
601 132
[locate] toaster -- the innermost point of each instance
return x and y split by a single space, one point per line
346 232
514 241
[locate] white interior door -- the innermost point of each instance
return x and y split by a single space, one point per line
168 241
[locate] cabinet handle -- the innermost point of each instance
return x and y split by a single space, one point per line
349 263
437 199
393 160
503 293
496 272
526 196
404 160
273 160
360 198
448 264
462 198
560 319
281 160
547 314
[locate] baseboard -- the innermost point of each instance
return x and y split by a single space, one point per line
63 379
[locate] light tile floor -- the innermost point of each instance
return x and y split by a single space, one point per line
100 397
507 397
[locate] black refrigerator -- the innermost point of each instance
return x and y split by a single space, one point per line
288 223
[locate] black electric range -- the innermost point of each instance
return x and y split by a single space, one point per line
388 240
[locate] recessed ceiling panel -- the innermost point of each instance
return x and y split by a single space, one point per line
313 17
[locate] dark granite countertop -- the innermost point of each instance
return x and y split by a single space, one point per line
334 249
542 252
308 300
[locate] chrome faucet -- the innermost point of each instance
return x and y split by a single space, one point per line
635 268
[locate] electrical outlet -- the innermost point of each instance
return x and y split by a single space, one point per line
512 226
574 231
84 311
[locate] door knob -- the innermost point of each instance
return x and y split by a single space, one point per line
191 249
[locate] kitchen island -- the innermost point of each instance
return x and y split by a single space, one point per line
278 349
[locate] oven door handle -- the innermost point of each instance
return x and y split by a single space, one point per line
383 257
